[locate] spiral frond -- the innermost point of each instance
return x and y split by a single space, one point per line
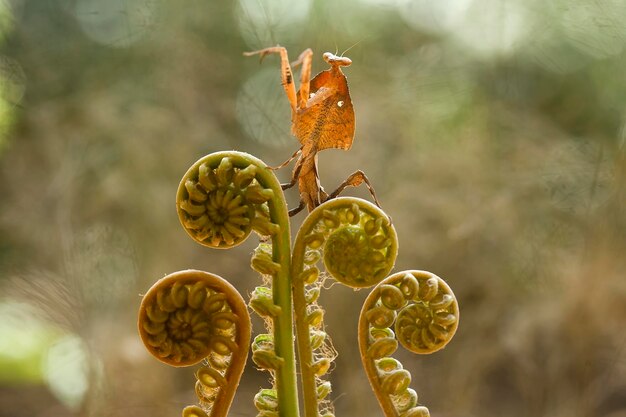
357 240
220 200
420 310
357 245
189 316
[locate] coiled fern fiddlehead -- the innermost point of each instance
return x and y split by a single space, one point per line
193 316
221 199
420 310
358 246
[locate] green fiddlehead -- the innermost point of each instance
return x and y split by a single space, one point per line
221 199
358 247
193 316
420 310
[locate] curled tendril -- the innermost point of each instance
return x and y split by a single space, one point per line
220 201
358 246
418 308
190 316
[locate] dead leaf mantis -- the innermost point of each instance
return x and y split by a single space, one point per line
322 117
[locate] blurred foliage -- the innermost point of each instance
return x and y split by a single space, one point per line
23 345
494 132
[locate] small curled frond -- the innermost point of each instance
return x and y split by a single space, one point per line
357 244
192 316
416 308
266 402
221 199
355 239
263 261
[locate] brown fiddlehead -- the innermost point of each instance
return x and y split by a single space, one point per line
221 199
190 317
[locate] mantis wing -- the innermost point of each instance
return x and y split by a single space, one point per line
328 118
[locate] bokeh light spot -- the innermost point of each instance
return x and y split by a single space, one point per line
23 341
595 28
493 27
66 370
550 51
262 108
264 23
484 28
117 23
434 16
430 86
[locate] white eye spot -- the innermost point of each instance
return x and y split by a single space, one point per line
340 103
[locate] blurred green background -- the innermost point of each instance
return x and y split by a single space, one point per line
494 132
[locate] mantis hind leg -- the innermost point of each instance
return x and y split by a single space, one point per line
296 210
284 164
354 180
294 176
296 170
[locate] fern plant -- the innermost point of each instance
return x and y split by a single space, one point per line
194 317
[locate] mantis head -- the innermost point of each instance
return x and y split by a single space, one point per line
334 60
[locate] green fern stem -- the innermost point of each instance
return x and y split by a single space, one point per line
358 247
221 199
305 353
286 382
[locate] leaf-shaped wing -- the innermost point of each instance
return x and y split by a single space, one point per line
328 118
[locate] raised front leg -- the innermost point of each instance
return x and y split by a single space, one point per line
305 59
285 71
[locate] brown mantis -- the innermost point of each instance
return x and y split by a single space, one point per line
322 117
